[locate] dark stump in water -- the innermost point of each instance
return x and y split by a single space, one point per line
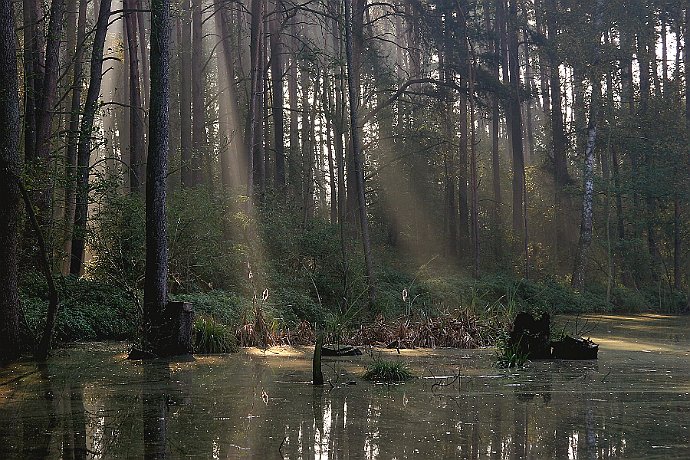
574 348
176 337
179 318
530 336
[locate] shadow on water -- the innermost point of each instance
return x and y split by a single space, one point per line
91 402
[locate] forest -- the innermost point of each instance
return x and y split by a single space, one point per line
288 164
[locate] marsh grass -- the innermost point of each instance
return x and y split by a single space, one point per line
211 336
508 355
383 370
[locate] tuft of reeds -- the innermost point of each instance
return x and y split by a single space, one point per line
258 331
211 336
382 370
509 355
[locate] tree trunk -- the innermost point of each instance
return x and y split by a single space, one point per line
307 147
495 155
449 171
277 96
559 139
73 137
338 128
198 107
185 55
474 183
236 140
585 241
463 193
352 85
33 73
254 160
156 273
578 280
136 117
356 23
515 123
143 51
294 116
328 110
686 45
44 114
9 187
85 136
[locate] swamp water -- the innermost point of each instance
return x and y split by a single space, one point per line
90 402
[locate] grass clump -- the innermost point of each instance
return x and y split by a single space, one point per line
211 336
509 355
383 370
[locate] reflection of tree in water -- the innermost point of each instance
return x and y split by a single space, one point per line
39 417
213 407
47 420
155 408
74 439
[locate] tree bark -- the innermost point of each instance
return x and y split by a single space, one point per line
329 115
686 43
254 159
495 155
143 51
585 241
355 145
9 187
277 96
515 124
235 136
136 117
474 183
156 273
449 170
559 142
33 73
293 172
85 136
185 55
338 127
73 137
356 23
44 114
198 105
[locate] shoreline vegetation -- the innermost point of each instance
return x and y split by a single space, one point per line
425 312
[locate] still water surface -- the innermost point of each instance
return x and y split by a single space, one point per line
89 402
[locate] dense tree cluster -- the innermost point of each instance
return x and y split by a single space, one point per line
538 137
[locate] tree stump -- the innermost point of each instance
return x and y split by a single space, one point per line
532 336
179 321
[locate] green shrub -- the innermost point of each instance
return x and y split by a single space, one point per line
382 370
